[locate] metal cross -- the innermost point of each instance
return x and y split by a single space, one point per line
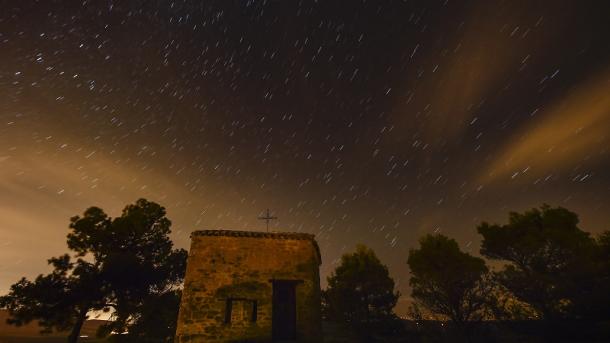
267 218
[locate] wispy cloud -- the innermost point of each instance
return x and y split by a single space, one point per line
569 133
449 83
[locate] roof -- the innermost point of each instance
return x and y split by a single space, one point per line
255 234
259 234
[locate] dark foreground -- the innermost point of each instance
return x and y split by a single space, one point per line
45 340
407 331
491 331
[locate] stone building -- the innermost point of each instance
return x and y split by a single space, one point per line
243 286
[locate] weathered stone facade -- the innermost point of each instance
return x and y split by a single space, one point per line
235 280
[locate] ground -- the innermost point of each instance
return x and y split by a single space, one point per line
31 333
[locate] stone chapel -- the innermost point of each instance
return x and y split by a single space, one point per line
244 286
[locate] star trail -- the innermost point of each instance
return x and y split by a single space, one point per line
369 122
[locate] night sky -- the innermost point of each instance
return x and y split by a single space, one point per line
369 122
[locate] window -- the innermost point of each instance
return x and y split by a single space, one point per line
240 310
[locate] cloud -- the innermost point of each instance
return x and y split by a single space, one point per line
39 192
453 77
563 136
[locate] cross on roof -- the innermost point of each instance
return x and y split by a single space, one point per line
267 218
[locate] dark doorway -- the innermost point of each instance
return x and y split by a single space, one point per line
284 324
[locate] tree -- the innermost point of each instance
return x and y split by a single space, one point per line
591 299
360 290
549 258
504 306
59 300
447 281
154 321
117 264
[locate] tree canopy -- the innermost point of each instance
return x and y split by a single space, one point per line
550 260
116 264
360 290
447 281
154 321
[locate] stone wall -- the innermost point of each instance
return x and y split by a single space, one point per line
241 265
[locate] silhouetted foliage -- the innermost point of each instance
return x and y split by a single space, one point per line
503 305
154 321
591 294
59 300
449 282
119 264
361 292
551 270
551 262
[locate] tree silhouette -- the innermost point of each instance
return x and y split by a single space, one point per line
590 280
447 281
154 321
360 290
550 260
116 264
